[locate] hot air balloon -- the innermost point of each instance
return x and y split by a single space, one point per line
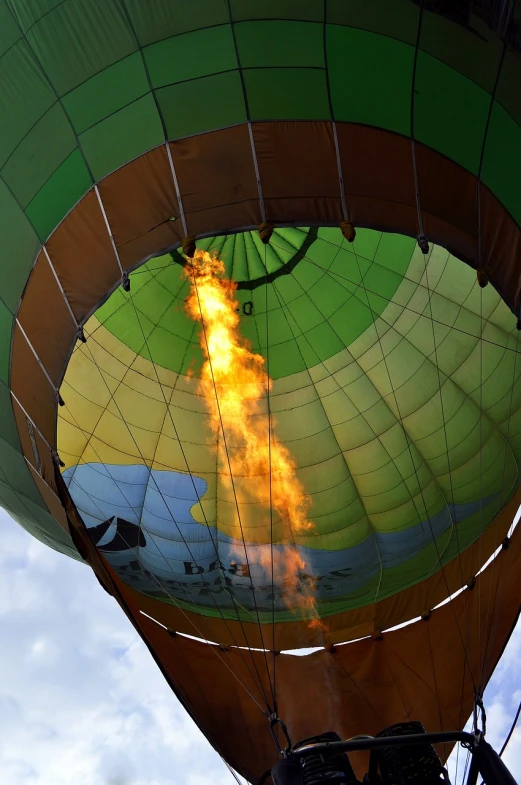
325 445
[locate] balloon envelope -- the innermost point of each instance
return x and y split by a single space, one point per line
131 130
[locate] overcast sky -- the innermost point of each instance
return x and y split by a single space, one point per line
83 703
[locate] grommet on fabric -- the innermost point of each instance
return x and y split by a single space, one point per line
423 244
56 459
265 232
482 277
188 246
348 230
426 615
125 282
81 335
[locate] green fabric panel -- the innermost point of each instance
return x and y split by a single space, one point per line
475 56
191 56
59 194
287 94
457 128
106 92
350 320
109 78
502 160
170 18
9 31
8 429
27 12
398 20
19 248
328 296
36 520
103 31
306 10
507 91
280 44
381 92
16 473
24 97
60 541
202 105
123 136
321 343
28 169
6 327
392 251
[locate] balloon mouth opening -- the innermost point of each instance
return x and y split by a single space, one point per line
142 330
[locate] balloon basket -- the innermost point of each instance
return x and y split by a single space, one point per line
399 755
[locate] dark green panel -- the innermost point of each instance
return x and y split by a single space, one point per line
308 10
27 12
472 56
381 92
191 56
502 160
40 153
59 194
9 30
280 43
8 429
169 18
287 94
508 93
99 24
19 248
6 326
398 19
202 105
36 520
450 112
122 136
16 472
24 97
106 92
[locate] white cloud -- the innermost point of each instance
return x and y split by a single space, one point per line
81 700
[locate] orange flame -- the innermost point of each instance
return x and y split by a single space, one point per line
235 385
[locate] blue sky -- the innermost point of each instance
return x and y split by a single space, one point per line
81 700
